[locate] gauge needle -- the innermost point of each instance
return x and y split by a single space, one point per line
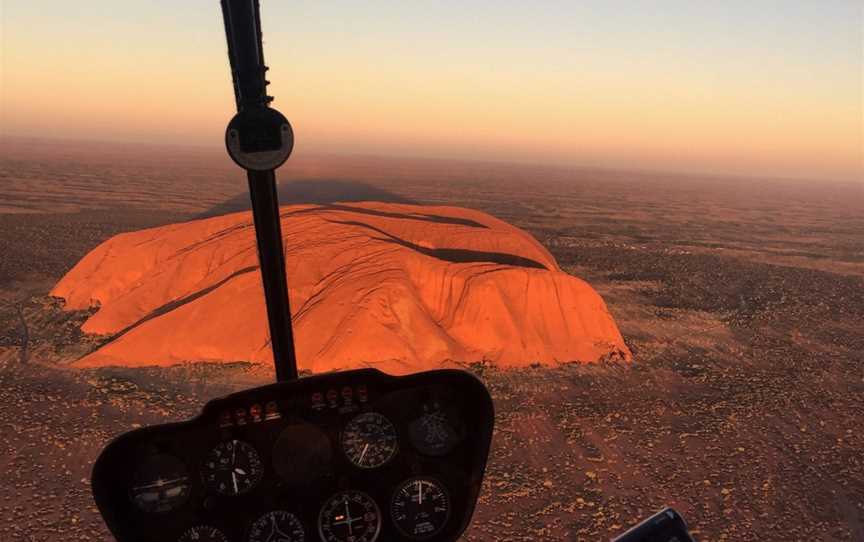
363 453
273 528
348 515
160 483
277 532
348 520
234 465
419 492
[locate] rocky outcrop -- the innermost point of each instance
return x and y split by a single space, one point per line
398 287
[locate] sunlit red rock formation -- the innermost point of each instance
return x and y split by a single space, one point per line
399 287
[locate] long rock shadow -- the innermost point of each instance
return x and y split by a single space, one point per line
455 255
328 194
440 219
324 191
177 303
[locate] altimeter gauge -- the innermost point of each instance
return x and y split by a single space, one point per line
349 516
420 508
369 440
232 468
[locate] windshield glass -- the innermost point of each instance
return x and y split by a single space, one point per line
648 245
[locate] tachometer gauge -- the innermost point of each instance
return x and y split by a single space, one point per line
232 468
277 526
349 516
203 533
160 484
420 508
369 440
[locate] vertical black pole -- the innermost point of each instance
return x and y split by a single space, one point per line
259 139
268 231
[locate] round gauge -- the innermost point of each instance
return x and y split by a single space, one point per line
349 516
302 455
369 440
277 526
203 533
420 508
232 468
160 484
432 433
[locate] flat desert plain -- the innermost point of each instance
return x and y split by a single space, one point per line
742 301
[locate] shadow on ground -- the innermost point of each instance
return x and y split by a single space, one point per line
311 191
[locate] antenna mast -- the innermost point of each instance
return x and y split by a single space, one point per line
259 139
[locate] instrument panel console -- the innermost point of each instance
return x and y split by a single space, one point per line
355 456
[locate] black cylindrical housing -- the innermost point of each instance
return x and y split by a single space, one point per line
255 145
243 31
268 232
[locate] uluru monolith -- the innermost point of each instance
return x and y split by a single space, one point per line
394 286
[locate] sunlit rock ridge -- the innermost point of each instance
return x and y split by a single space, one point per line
397 287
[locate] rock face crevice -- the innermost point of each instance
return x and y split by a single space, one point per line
394 286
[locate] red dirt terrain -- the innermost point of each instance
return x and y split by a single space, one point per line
741 301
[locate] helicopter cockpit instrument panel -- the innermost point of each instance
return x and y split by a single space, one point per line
355 456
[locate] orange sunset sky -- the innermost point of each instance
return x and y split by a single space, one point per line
742 87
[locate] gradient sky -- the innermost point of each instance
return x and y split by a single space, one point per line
741 86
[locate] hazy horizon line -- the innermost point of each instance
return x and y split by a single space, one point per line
555 166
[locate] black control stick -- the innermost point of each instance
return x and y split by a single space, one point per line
259 139
664 526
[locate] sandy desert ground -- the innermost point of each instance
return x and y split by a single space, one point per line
742 301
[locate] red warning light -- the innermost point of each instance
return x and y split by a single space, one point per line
255 412
317 400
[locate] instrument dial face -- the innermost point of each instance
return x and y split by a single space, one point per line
349 516
161 484
369 440
432 433
277 526
232 468
303 455
420 508
203 533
